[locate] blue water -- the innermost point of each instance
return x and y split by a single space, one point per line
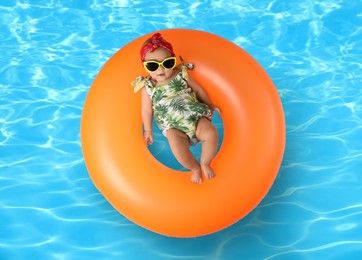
51 51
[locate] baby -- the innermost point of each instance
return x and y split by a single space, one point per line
181 107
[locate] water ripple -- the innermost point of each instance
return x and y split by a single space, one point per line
51 52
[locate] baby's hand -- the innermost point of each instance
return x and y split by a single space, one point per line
214 108
148 137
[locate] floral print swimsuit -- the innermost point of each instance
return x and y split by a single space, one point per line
175 105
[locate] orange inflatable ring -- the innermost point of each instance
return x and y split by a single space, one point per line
162 199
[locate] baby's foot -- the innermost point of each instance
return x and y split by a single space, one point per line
196 176
208 171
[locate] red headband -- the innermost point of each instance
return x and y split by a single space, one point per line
156 42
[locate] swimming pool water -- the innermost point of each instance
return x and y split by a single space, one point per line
52 50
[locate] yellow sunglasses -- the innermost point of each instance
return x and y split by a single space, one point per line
152 65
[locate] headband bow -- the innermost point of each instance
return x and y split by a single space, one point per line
156 42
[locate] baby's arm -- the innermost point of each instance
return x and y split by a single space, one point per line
201 94
147 113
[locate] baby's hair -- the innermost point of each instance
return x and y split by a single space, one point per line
147 42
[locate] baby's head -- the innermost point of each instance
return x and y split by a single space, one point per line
158 58
154 43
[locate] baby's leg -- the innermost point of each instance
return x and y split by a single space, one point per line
180 147
207 134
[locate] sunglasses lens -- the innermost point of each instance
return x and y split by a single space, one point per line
169 64
151 66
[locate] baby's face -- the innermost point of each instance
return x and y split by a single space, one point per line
161 75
